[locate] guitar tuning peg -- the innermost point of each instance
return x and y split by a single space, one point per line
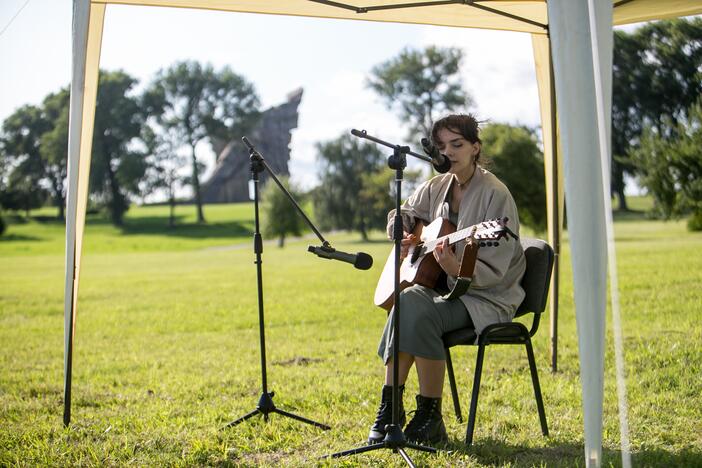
482 244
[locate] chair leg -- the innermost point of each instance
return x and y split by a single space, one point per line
452 382
537 387
474 396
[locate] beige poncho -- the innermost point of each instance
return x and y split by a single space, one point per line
495 292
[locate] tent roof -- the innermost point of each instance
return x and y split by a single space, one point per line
513 15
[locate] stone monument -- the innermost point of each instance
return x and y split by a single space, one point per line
271 137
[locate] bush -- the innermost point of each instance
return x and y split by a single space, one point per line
668 160
513 155
3 226
695 221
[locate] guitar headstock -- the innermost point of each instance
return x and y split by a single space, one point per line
489 232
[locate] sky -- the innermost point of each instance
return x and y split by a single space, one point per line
329 59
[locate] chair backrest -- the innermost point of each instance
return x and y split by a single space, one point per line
537 278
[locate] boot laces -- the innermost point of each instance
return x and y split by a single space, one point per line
422 413
384 412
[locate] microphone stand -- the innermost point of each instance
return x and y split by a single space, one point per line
265 404
394 438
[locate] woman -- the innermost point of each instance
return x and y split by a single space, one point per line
468 194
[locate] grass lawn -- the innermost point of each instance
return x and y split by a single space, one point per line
166 352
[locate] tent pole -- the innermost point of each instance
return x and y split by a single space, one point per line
87 39
81 16
579 134
555 222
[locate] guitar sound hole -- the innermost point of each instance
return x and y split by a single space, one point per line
416 253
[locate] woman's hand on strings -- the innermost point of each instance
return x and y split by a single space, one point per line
443 253
407 240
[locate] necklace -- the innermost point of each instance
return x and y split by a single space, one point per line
464 183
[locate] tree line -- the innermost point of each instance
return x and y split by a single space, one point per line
141 141
145 141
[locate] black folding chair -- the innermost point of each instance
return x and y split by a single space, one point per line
539 263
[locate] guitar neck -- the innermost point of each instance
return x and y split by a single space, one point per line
454 237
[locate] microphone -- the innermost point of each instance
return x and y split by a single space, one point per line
440 162
361 260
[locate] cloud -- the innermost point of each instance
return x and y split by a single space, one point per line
330 108
498 71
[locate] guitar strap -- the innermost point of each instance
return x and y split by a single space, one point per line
465 272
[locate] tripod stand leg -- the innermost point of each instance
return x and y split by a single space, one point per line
365 448
406 457
300 418
421 448
243 418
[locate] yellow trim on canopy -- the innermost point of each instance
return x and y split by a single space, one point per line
457 15
636 11
553 169
468 15
92 64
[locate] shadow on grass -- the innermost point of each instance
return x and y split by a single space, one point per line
150 225
18 237
49 220
372 241
157 225
496 452
630 215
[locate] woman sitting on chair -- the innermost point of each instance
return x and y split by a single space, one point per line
467 195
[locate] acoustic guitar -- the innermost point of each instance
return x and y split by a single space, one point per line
420 266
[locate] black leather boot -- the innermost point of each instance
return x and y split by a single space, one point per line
384 415
427 425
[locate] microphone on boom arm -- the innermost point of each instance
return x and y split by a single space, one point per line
441 163
360 260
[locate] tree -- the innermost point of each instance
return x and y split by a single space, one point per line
377 194
3 225
343 164
657 75
196 103
116 167
34 147
515 158
54 146
163 163
419 85
280 217
670 160
21 137
22 193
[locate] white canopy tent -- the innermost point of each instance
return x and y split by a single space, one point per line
572 42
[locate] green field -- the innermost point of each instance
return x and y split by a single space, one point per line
166 352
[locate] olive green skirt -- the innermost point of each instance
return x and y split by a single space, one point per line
424 317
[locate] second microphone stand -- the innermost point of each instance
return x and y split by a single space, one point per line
265 404
395 439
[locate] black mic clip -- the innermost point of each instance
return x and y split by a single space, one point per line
255 157
325 248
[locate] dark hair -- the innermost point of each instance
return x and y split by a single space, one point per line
465 125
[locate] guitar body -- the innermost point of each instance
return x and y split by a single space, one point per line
424 270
